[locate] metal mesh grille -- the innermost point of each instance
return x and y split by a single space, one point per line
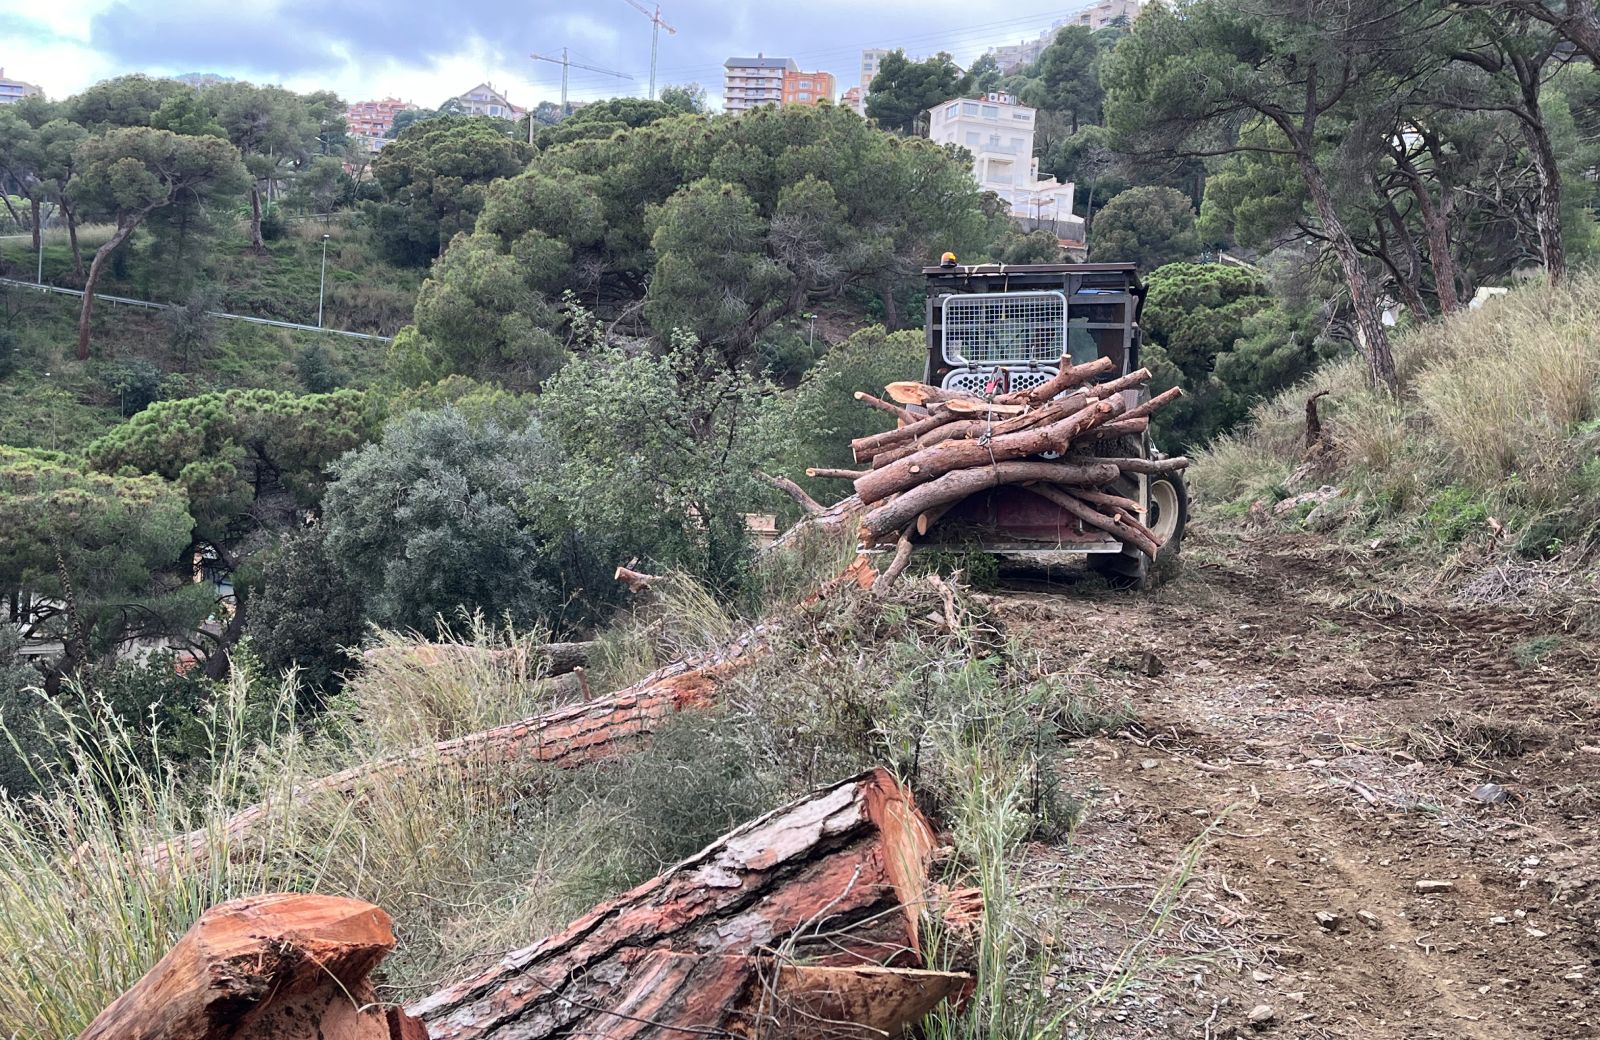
976 380
1004 328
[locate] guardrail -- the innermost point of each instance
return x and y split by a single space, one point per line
153 306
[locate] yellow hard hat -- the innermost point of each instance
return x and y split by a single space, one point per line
947 260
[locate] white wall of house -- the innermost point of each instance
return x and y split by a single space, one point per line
999 134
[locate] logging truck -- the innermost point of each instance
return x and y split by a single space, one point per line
996 330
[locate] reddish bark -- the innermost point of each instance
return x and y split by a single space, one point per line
274 967
894 515
1067 377
838 879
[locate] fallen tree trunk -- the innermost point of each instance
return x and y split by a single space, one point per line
837 519
934 462
563 738
895 514
793 490
837 879
273 967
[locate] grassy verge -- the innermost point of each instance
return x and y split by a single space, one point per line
473 863
1492 446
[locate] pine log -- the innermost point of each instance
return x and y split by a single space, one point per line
926 519
272 967
1048 412
863 448
793 490
1155 403
1068 376
837 879
1121 383
1094 518
962 483
564 738
1172 465
1104 498
884 406
912 392
937 435
828 471
935 461
897 566
985 408
1121 428
836 520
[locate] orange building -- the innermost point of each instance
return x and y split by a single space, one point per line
373 118
806 88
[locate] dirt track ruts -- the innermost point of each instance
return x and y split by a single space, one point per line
1321 756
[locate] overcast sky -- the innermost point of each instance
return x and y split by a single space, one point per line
428 50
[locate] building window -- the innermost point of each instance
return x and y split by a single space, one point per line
969 108
991 112
972 138
805 95
805 84
1024 116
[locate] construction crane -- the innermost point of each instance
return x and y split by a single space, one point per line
567 64
656 25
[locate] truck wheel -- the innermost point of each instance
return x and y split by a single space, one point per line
1169 514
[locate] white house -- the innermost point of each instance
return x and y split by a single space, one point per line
999 134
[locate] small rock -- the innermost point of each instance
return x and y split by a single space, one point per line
1498 919
1369 918
1260 976
1261 1014
1426 886
1491 794
1536 933
1148 763
1328 920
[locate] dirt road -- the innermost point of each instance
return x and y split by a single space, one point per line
1318 750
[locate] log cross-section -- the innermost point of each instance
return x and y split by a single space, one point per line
274 967
838 879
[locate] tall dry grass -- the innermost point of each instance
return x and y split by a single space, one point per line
1498 406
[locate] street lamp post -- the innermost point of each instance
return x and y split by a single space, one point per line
322 282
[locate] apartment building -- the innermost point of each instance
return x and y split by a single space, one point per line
871 61
851 99
14 90
999 133
1107 12
750 82
485 100
806 88
372 119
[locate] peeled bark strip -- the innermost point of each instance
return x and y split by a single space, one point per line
564 738
273 967
952 487
837 879
934 462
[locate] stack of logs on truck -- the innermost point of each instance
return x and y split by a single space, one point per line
950 445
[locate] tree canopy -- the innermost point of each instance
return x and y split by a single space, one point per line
1145 226
434 177
904 89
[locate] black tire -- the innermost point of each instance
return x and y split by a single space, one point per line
1168 516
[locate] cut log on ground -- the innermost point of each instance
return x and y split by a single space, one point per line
836 880
895 514
272 967
566 737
